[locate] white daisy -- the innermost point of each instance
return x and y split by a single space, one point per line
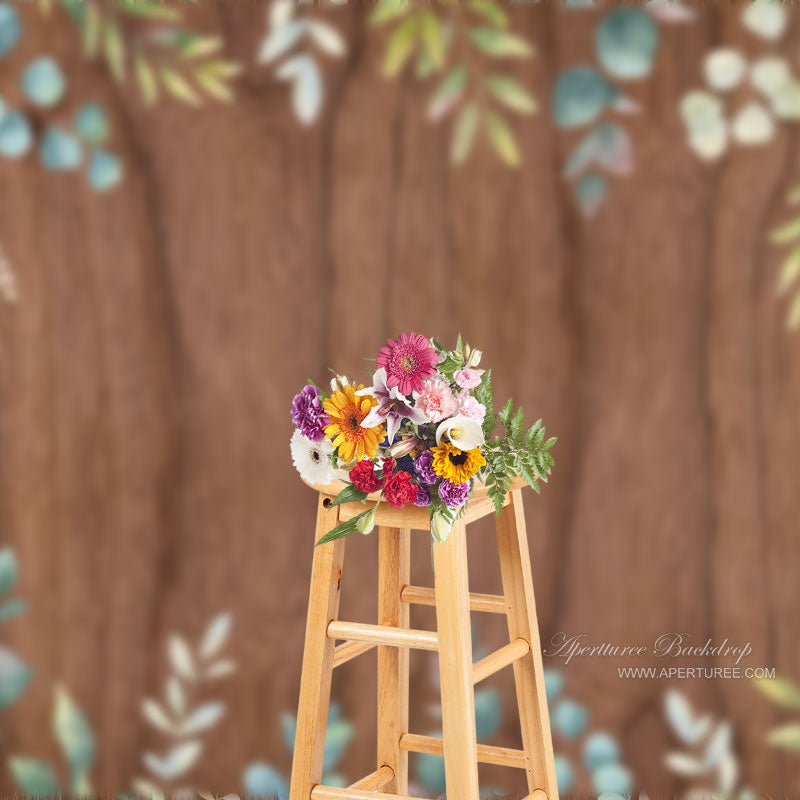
312 459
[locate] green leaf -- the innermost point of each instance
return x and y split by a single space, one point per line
786 233
92 27
492 12
500 44
793 318
502 139
179 87
147 10
196 46
114 48
73 734
14 677
213 86
790 270
507 411
348 495
148 83
433 38
343 529
9 570
34 777
401 45
464 130
448 92
626 41
579 96
12 609
780 691
511 93
591 192
387 10
786 736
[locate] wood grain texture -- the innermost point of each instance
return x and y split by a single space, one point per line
455 664
162 330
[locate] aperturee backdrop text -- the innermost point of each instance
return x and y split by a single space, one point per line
422 434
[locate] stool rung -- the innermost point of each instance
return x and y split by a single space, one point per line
320 792
422 596
536 794
375 780
383 634
344 652
494 662
487 754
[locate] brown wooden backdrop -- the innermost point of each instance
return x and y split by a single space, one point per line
146 374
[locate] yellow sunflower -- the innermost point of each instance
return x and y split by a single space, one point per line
457 466
346 412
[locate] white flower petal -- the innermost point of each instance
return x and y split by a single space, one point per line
786 101
724 68
699 109
769 74
463 432
765 18
710 144
312 459
752 125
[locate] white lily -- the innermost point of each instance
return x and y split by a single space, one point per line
463 432
440 528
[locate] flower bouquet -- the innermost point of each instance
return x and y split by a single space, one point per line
422 434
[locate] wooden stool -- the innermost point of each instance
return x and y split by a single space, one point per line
452 641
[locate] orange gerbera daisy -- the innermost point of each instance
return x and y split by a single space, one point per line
347 411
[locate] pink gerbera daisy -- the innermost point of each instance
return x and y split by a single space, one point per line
408 360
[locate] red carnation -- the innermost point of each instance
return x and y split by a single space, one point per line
364 478
387 468
399 491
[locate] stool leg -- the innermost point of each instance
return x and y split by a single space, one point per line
315 680
394 572
455 665
515 569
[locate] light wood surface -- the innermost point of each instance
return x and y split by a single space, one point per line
381 634
375 781
333 793
455 664
317 669
501 658
347 651
422 595
393 636
394 572
487 754
512 542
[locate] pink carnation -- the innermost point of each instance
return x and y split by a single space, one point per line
468 378
469 407
437 400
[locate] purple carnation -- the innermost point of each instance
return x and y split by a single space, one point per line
423 497
454 495
423 466
308 414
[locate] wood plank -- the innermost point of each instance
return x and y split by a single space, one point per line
515 570
422 595
347 651
334 793
501 658
317 670
380 634
455 664
487 754
379 779
394 572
